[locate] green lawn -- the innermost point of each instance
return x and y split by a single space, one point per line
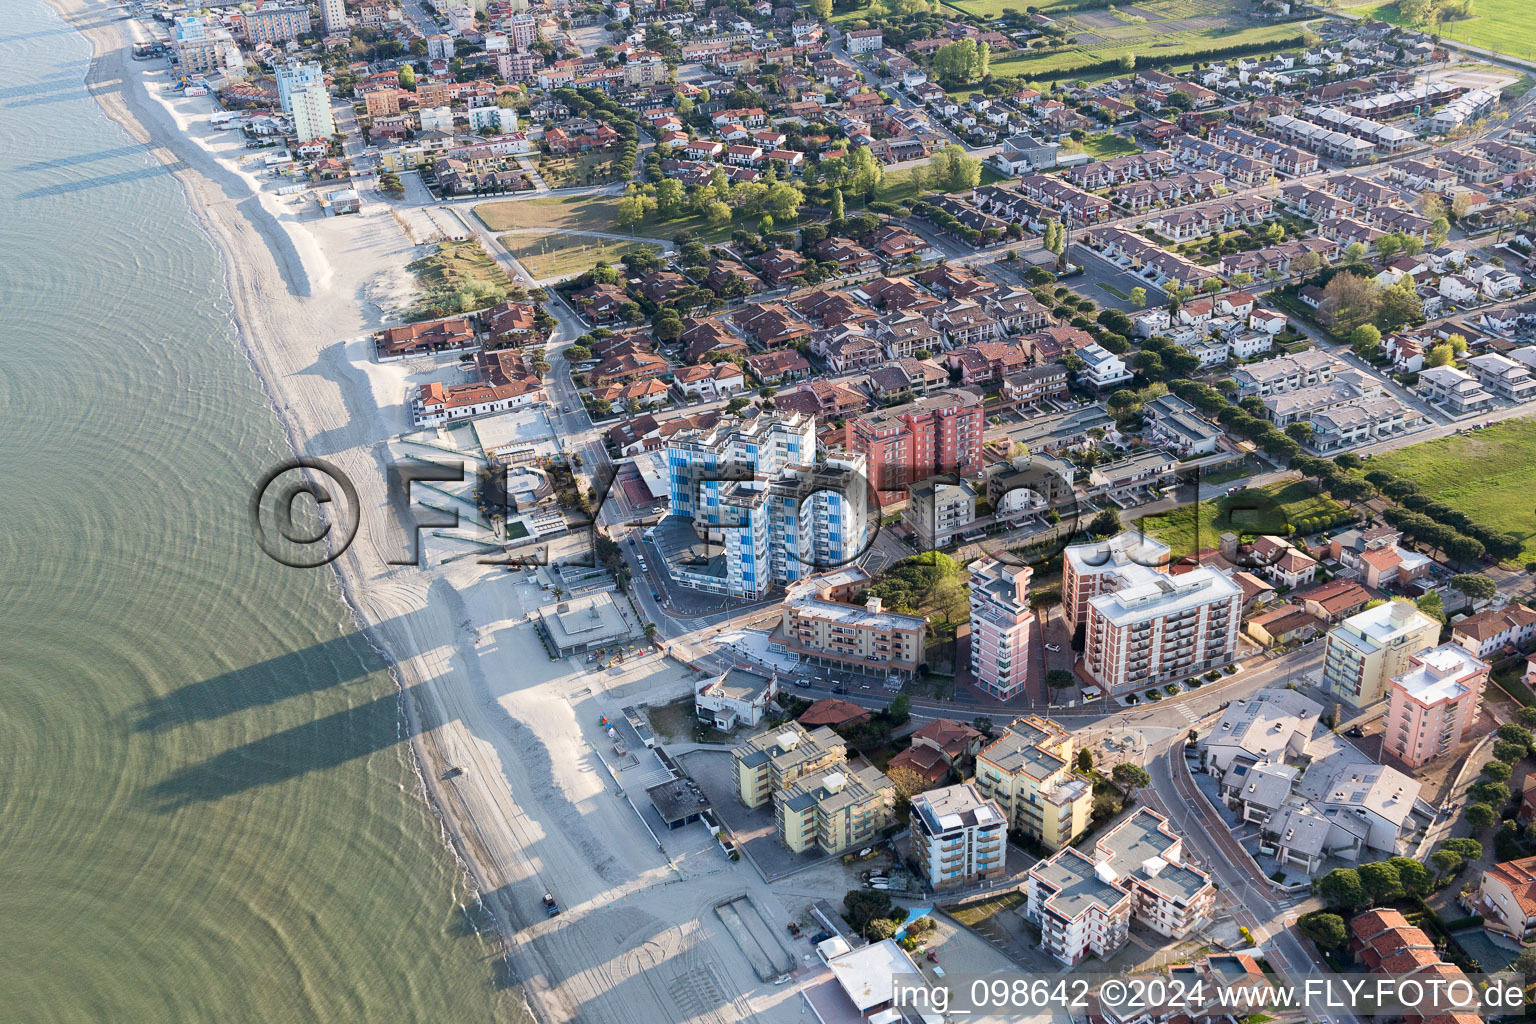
1102 147
1488 474
1257 510
1507 26
546 256
898 184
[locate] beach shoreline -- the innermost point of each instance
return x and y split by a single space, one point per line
532 808
195 172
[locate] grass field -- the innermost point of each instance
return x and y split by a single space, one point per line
1257 510
1508 26
586 213
566 255
1102 147
1489 474
1148 44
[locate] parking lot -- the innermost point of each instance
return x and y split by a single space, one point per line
752 827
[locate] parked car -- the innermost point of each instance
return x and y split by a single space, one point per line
1053 647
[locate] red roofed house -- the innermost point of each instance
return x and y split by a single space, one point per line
1506 897
936 747
833 713
437 403
1487 633
430 336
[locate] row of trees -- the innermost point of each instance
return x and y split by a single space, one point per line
1438 524
1352 889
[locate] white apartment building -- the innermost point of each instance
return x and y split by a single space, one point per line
1155 628
1457 390
1078 912
1285 373
201 48
292 78
1088 570
737 696
1430 707
311 111
759 490
1367 649
1101 367
1002 623
1085 905
334 14
959 836
1503 377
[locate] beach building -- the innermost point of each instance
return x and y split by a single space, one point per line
834 810
772 510
737 696
1084 905
863 983
276 23
1027 769
1431 706
580 624
203 48
959 836
1369 648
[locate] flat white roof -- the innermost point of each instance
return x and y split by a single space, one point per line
869 974
1151 594
1122 549
1440 674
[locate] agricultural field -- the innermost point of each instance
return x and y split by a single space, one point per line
1507 26
1256 510
566 255
1488 474
1146 29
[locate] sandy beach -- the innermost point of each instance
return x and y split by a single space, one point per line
536 808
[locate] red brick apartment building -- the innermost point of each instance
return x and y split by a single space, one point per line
908 443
